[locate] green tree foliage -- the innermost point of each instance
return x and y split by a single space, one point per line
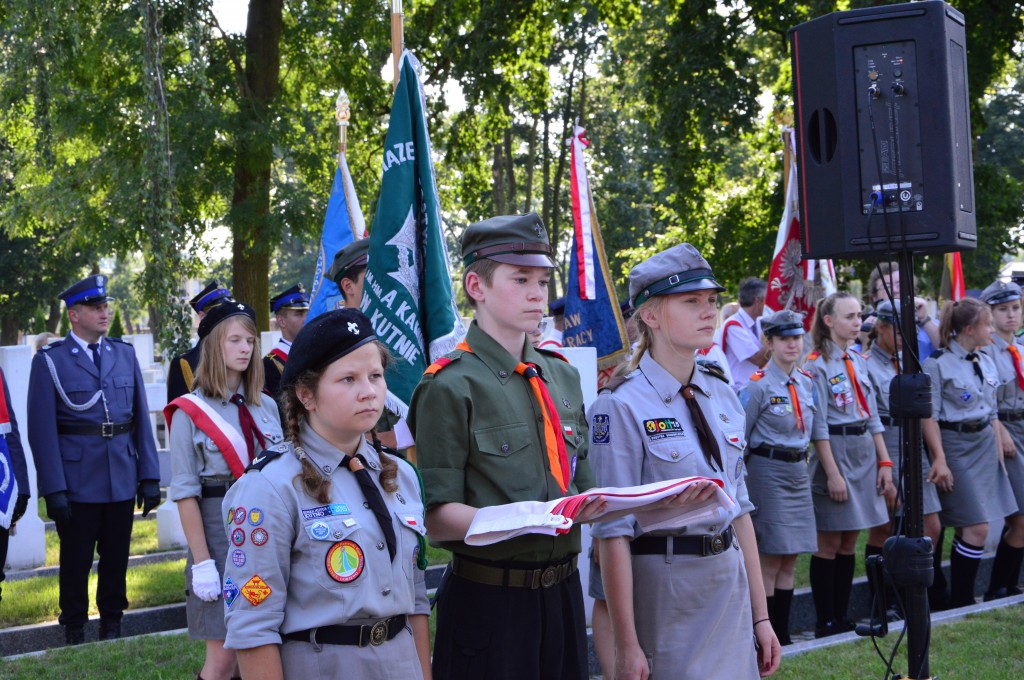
116 329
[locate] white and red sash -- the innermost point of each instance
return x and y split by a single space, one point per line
225 435
725 330
280 354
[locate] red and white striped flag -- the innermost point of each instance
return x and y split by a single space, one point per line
794 282
584 241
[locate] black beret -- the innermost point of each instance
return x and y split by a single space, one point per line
223 311
324 340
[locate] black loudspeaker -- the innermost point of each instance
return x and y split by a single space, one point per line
883 131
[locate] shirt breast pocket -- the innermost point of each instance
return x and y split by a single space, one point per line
958 394
124 386
732 456
410 530
336 540
668 453
79 392
499 446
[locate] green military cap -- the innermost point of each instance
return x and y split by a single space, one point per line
783 323
680 269
355 254
1000 292
885 312
511 239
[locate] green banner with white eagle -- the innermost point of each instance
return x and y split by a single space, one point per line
408 288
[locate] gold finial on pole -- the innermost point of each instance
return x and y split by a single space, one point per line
342 113
397 37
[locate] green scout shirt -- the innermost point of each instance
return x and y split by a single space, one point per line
480 440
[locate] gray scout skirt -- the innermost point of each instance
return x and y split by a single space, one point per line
783 512
1015 465
864 508
693 616
206 619
981 490
931 494
394 660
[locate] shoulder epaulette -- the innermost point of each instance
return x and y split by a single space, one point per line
48 347
813 356
757 375
936 354
551 353
807 373
713 369
268 454
615 382
444 361
120 340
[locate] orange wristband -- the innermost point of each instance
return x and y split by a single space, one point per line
884 463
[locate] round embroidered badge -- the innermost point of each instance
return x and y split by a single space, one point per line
259 536
344 561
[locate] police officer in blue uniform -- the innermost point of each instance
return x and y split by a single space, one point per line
89 429
183 366
289 308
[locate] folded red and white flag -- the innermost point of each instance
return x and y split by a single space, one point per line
501 522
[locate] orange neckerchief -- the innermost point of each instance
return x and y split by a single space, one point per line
1015 353
796 404
862 402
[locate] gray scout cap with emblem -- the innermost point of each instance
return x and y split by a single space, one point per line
680 269
355 254
511 239
784 323
885 312
1000 292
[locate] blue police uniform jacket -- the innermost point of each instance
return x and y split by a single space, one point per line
89 467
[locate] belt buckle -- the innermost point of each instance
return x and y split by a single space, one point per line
548 577
715 545
378 634
107 430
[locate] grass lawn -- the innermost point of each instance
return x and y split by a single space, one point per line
35 600
989 645
144 542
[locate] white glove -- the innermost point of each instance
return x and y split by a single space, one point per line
206 581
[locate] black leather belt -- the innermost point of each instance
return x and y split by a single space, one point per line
683 545
1011 416
107 430
541 577
888 422
969 428
374 634
787 455
852 430
215 490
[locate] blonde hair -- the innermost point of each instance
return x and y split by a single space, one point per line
958 315
644 332
820 331
293 413
212 372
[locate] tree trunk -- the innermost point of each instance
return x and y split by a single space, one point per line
53 316
510 170
556 203
546 183
531 164
498 180
252 226
9 330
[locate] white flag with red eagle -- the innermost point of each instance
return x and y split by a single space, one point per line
794 282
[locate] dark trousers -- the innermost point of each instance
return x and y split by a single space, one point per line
107 529
511 633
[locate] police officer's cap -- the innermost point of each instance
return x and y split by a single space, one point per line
293 298
92 290
884 312
1000 292
680 269
213 294
557 306
221 312
519 240
783 323
352 256
326 339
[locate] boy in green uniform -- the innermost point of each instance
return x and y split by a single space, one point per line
498 421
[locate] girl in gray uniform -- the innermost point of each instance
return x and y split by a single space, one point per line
847 482
963 427
328 582
1004 300
679 598
782 419
883 363
209 428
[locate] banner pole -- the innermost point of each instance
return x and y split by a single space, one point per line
342 113
397 37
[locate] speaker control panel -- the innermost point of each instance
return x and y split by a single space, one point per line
888 128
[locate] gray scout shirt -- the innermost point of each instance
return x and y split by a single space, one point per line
882 370
194 456
835 388
958 395
641 432
296 563
771 414
1009 397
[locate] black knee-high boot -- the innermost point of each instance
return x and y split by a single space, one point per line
780 615
1005 571
844 585
964 559
823 585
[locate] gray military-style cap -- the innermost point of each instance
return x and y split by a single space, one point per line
511 239
1000 292
680 269
884 312
353 255
783 324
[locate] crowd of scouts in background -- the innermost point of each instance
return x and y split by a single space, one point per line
306 527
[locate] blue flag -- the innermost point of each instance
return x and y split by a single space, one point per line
324 295
592 314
